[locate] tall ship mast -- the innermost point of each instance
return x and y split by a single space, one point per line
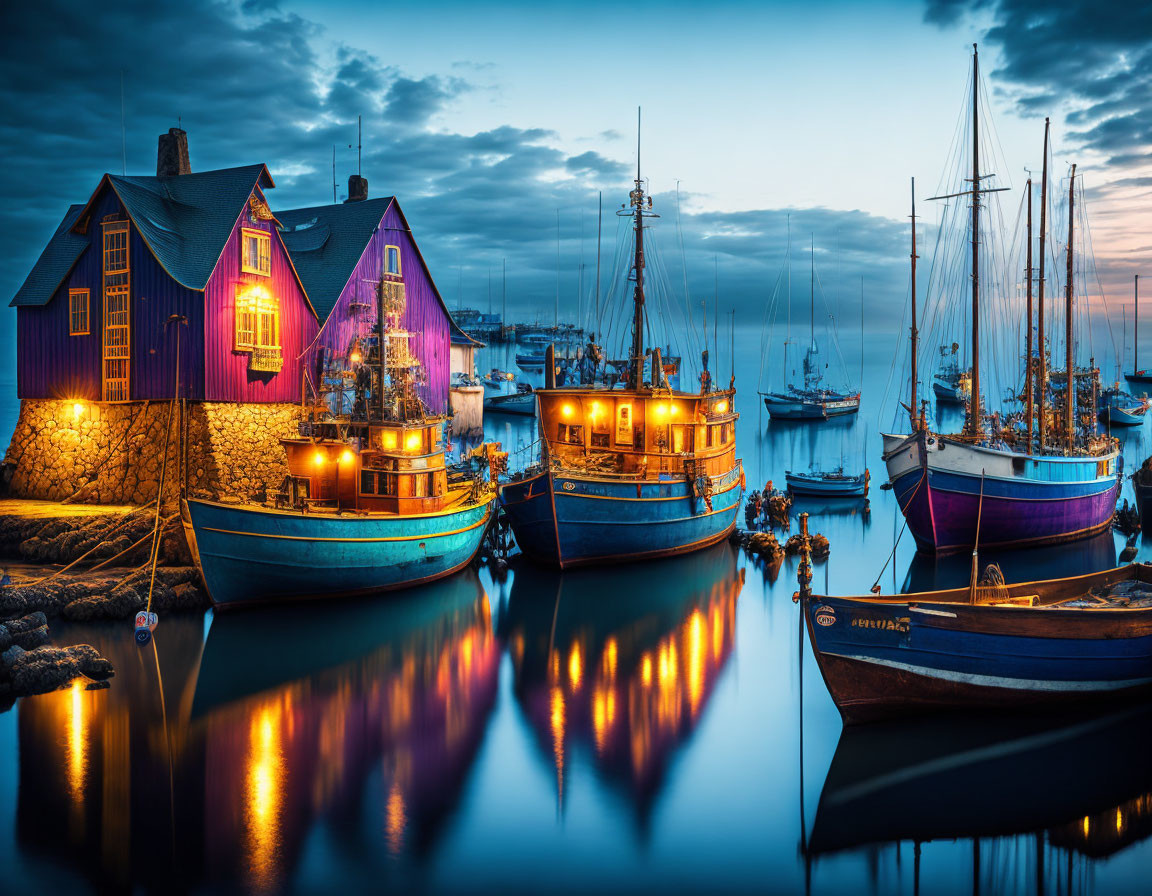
996 483
630 467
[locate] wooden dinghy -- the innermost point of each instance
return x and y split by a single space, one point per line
1083 639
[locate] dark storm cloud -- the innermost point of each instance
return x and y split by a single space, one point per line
1094 59
252 83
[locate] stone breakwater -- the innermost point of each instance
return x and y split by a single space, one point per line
122 539
29 665
114 453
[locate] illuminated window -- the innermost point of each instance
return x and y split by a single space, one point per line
78 312
116 338
255 252
392 260
258 328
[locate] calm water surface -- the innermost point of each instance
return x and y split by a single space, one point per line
659 727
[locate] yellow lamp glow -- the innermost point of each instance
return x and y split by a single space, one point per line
77 410
721 407
318 458
661 411
566 410
347 457
413 442
674 410
596 409
355 358
388 439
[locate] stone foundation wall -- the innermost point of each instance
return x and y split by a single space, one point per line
113 453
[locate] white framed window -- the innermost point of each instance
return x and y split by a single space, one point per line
392 261
255 252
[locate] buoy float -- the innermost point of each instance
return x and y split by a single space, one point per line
145 624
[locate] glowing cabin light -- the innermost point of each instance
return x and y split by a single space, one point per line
355 357
673 410
388 439
318 458
347 457
413 442
661 411
721 407
77 410
596 410
567 410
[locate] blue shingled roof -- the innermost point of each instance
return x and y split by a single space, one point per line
185 221
54 263
326 243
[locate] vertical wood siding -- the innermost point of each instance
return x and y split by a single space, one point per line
424 317
53 364
226 374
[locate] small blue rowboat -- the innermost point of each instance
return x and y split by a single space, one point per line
521 402
1047 643
250 553
833 484
1118 408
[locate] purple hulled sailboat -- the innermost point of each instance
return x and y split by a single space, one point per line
1002 483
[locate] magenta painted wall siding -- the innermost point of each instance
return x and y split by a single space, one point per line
226 374
425 316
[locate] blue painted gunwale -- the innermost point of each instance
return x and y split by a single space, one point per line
251 554
570 520
885 656
810 484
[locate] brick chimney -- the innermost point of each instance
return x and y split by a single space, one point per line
172 154
357 188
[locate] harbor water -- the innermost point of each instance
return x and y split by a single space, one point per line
653 727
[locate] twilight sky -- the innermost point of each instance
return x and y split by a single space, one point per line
484 119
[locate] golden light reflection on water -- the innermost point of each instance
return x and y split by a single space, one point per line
262 792
77 741
395 819
556 717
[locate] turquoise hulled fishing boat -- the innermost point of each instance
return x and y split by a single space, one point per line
369 503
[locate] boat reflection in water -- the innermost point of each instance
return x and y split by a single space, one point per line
928 572
621 661
290 725
1074 786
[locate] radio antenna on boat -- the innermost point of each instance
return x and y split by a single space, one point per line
638 209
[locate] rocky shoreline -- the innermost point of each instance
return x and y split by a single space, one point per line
30 665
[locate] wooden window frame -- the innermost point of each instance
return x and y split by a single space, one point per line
263 251
399 272
78 314
116 289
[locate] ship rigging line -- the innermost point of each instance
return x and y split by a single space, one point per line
923 474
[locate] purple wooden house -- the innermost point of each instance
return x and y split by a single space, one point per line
147 261
341 252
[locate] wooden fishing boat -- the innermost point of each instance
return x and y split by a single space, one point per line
812 400
1056 481
498 379
1119 408
521 402
832 484
950 384
1052 643
369 503
628 473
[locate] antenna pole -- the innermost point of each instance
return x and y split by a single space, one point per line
124 153
599 227
359 143
974 420
638 261
333 173
503 296
556 306
811 289
915 333
1069 418
1136 325
1028 328
1042 371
